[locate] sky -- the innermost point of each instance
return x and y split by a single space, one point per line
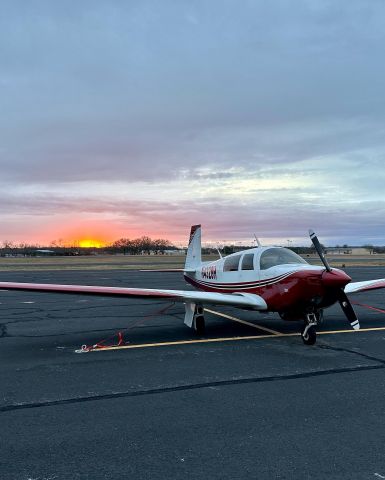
129 118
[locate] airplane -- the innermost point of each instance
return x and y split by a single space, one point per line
264 279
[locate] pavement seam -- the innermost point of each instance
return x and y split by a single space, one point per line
181 388
354 352
3 330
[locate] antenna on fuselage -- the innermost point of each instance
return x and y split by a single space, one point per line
259 244
219 252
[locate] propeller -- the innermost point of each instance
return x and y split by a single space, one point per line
341 295
317 246
348 310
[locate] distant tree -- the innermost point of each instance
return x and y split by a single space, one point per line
136 246
23 248
8 247
228 249
8 244
142 245
313 250
123 245
145 244
159 245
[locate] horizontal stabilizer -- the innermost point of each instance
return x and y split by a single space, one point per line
164 270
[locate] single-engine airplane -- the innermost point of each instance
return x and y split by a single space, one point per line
265 279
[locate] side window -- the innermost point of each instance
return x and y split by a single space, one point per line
231 263
248 261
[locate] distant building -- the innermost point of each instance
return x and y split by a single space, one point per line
181 251
41 251
338 251
347 251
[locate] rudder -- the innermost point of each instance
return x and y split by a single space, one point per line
194 251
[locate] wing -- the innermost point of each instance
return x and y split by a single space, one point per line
354 287
245 300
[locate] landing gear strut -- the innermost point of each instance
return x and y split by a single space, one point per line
194 317
308 331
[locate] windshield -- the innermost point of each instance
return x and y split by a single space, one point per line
279 256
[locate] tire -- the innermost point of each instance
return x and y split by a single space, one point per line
200 324
311 336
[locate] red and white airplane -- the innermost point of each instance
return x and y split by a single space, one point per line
265 279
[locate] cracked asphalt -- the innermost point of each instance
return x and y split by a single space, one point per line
261 408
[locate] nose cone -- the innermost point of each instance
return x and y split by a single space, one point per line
336 278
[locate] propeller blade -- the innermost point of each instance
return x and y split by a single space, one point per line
348 310
317 246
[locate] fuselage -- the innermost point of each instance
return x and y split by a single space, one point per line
283 279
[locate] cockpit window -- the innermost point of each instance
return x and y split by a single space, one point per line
231 263
279 256
248 261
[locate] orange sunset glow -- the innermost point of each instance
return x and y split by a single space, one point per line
95 232
91 243
85 233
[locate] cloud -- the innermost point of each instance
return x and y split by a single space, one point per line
267 108
223 219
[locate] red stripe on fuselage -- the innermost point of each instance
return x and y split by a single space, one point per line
297 289
256 283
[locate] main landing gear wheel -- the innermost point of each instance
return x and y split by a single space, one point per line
309 334
199 321
200 325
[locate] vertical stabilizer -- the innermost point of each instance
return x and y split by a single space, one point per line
194 256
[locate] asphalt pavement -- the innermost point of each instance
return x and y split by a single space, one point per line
246 401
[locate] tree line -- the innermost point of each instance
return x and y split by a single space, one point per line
142 245
137 246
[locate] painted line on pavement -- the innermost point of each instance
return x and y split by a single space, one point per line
238 320
224 339
182 342
361 330
369 307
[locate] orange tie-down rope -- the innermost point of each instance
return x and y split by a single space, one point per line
120 339
368 307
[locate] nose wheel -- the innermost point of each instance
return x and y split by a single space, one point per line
308 331
309 334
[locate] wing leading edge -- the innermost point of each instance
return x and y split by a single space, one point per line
235 299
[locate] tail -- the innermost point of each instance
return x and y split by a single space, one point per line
194 256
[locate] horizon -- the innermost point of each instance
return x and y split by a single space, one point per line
143 118
98 244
